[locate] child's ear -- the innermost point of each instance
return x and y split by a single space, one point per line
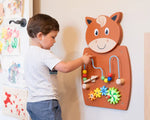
39 35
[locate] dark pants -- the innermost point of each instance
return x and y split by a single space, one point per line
44 110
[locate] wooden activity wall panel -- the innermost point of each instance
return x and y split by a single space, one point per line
106 80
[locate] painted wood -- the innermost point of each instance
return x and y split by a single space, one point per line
103 36
146 76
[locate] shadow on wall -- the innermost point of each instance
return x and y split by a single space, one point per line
69 82
70 39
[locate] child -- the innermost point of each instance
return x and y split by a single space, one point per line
42 96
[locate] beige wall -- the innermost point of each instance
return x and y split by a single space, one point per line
71 42
36 6
146 74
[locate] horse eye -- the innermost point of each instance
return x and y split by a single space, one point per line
106 31
96 32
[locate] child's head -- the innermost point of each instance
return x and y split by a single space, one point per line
41 23
43 29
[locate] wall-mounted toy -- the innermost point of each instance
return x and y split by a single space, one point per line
110 64
85 84
92 79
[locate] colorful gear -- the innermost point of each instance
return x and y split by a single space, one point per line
91 96
104 90
97 93
114 95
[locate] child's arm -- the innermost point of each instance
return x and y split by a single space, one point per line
72 65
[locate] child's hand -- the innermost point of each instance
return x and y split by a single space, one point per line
86 58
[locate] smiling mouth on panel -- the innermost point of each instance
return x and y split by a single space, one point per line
101 47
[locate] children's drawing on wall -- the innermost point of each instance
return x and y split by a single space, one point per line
14 102
1 13
106 81
13 68
13 72
13 8
0 65
9 41
1 46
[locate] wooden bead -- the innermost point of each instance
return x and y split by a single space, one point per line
84 75
84 71
102 78
106 80
120 81
110 74
85 86
84 78
109 78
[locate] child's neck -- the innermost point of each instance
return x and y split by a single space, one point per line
35 42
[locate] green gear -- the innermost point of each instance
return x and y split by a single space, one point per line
114 95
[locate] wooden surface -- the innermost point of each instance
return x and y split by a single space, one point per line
102 60
146 74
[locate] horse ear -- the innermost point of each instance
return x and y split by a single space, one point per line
88 20
116 17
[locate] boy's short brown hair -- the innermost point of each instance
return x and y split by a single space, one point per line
41 23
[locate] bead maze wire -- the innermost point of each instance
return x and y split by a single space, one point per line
96 67
109 65
117 63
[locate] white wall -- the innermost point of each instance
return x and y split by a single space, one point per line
71 42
